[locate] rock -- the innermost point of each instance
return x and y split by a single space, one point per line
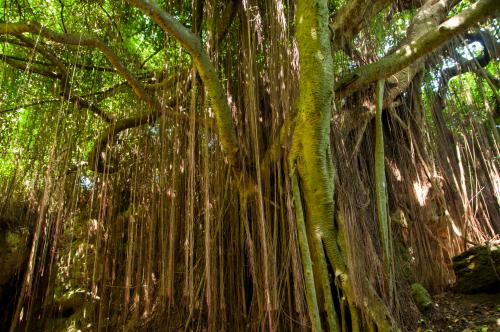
478 269
16 219
13 252
421 297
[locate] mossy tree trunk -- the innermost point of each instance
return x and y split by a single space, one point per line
310 154
311 158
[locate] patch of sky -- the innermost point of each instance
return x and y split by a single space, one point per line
388 44
153 130
86 182
471 50
435 78
468 52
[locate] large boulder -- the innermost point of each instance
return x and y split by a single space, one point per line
478 269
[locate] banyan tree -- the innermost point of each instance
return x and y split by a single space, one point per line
238 165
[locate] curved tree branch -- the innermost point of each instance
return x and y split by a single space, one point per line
25 60
80 102
431 13
16 41
70 39
26 67
36 103
414 49
205 69
63 76
96 159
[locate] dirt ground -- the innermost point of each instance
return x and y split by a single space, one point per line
462 313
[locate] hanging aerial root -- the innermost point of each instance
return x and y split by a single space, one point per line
312 302
381 194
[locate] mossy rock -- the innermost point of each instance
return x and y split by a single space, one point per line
421 297
13 252
478 269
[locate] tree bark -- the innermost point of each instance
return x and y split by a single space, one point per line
205 69
310 153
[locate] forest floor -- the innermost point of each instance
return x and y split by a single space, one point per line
462 313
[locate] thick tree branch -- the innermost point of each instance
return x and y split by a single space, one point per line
78 101
25 60
36 103
47 64
70 39
430 14
205 69
414 49
16 41
97 158
351 120
29 68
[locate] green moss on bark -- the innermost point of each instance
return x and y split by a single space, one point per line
311 143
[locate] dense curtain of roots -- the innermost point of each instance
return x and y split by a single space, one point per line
174 238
